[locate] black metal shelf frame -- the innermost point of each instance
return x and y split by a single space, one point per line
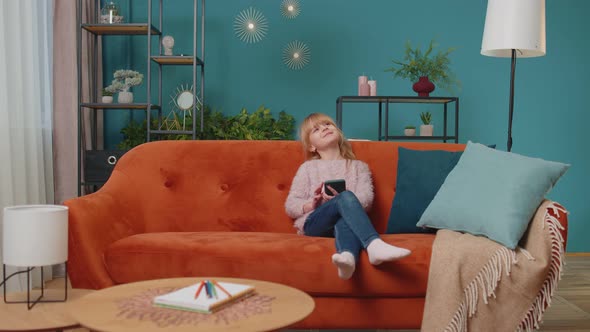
387 100
146 29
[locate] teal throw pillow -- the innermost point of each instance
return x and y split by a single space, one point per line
492 193
420 173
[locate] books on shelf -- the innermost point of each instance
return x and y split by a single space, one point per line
206 296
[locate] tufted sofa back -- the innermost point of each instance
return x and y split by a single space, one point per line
232 185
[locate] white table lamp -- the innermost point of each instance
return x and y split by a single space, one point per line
34 236
515 29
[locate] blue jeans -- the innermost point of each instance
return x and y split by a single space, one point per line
343 218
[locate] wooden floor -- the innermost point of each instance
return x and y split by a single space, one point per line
570 309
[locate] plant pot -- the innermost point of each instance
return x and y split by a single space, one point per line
410 132
125 97
107 99
426 130
423 87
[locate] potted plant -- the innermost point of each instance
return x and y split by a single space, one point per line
107 95
124 80
426 128
425 69
410 131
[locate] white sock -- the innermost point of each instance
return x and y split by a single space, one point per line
345 263
380 252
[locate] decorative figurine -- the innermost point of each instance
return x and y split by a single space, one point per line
168 43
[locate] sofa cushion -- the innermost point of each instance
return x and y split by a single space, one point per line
274 257
492 193
419 176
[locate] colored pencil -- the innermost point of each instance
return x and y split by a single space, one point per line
208 289
223 289
199 289
213 291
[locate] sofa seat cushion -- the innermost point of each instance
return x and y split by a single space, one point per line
275 257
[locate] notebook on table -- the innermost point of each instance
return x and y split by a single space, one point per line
186 299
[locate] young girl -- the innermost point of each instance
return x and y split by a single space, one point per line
329 156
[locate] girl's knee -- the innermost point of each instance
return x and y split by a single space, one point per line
348 197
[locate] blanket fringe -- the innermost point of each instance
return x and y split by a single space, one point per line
526 254
534 316
487 279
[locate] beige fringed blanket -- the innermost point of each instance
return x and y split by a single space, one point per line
476 284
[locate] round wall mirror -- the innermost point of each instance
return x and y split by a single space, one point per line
182 102
185 100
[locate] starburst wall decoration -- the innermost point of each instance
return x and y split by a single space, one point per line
290 8
250 25
296 55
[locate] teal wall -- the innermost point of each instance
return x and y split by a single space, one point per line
349 38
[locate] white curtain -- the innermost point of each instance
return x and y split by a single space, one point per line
26 171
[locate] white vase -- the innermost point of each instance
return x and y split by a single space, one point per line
107 99
426 130
410 132
125 97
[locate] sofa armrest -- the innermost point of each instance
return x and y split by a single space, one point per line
95 221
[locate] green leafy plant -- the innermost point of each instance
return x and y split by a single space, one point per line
426 117
410 127
417 64
125 79
133 134
259 125
107 91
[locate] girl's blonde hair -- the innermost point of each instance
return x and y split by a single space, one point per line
309 123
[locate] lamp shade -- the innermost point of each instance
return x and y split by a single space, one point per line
514 24
35 235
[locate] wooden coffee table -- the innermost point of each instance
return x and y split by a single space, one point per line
43 316
129 308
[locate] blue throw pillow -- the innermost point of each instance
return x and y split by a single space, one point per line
492 193
419 176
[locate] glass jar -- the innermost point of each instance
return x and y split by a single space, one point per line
109 14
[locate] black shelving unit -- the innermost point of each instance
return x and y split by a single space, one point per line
198 67
384 103
96 30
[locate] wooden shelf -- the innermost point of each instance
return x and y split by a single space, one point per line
394 99
139 106
421 138
120 29
176 60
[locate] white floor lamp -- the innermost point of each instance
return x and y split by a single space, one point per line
515 29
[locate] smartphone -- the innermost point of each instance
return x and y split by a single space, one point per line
338 184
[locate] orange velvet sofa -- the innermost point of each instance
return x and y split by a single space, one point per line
216 208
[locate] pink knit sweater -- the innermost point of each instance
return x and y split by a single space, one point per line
311 173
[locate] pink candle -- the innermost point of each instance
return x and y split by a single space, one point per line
362 80
364 89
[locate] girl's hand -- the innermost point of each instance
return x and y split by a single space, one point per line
317 200
327 197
